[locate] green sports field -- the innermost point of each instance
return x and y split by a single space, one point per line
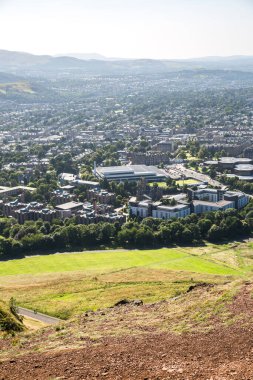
189 181
66 284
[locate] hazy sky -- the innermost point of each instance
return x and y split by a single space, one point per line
128 28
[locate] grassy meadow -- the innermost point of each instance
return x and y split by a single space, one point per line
63 285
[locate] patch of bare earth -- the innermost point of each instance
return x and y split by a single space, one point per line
225 352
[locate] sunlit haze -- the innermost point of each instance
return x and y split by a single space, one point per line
128 28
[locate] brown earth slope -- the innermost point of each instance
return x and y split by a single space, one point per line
222 350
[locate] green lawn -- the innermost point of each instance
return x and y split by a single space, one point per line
191 158
160 184
68 284
172 259
189 181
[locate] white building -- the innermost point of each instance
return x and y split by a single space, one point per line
170 212
200 207
201 201
148 208
130 173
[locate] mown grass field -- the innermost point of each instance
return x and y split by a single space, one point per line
65 284
189 181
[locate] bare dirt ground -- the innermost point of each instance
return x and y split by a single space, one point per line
219 355
225 352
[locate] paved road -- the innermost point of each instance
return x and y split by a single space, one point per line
38 316
179 171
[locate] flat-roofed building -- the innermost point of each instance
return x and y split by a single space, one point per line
216 199
200 201
66 178
206 194
231 162
68 209
244 170
143 209
200 207
147 208
239 198
131 173
169 212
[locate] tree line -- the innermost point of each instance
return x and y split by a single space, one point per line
17 240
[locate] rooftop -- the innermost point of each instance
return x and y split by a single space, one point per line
234 160
130 169
244 167
212 204
69 205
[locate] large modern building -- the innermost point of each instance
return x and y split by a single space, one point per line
244 170
206 194
241 168
200 207
204 200
148 208
130 173
231 162
200 201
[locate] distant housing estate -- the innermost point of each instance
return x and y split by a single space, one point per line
149 158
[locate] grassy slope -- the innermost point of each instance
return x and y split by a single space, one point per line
15 87
8 322
63 285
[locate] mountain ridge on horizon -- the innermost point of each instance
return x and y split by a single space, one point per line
98 56
19 62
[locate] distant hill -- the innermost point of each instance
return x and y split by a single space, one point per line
28 64
14 59
85 57
89 56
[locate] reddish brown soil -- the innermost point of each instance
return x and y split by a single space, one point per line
225 353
